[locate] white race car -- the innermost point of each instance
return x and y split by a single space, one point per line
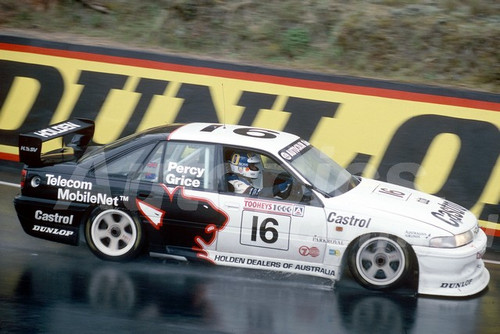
245 197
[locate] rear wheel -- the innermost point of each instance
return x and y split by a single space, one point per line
114 235
380 261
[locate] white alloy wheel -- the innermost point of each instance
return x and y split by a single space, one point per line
114 235
379 262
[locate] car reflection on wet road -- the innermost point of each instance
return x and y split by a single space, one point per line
54 288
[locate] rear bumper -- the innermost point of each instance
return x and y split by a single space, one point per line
453 272
55 221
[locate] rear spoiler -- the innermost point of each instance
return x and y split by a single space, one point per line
30 144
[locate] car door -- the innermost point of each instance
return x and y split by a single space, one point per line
176 197
287 228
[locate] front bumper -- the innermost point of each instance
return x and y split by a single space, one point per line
456 272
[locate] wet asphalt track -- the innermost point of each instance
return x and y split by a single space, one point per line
53 288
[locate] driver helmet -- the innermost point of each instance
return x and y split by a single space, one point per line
246 164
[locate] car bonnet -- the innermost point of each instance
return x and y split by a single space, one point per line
389 199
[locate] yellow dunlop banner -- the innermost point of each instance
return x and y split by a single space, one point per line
441 141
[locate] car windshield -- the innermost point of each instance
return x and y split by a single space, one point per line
323 173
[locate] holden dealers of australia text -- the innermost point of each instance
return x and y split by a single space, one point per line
273 264
82 194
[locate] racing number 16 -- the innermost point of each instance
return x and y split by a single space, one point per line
265 230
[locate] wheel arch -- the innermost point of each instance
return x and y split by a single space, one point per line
414 271
95 211
89 213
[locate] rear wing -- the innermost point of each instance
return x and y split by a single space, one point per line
30 144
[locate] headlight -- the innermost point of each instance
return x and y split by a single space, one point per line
452 241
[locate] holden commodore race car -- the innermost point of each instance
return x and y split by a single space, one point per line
244 197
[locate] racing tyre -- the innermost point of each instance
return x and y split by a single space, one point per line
114 235
380 261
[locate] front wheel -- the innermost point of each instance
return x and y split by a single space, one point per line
379 261
114 235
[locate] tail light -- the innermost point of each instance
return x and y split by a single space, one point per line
23 178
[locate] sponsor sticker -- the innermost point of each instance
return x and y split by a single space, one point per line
88 197
53 217
450 213
392 193
80 191
274 207
334 252
309 251
456 285
59 181
52 230
183 175
314 269
350 220
293 150
247 261
417 235
423 200
269 264
331 241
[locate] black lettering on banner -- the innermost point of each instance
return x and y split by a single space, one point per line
46 102
96 88
148 88
253 102
358 164
306 114
198 104
491 213
480 146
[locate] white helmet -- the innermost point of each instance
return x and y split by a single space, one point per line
245 164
